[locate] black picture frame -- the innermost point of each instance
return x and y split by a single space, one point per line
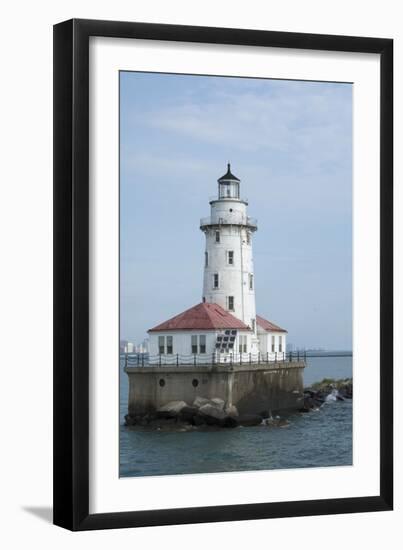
71 274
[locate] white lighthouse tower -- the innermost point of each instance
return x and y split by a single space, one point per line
228 265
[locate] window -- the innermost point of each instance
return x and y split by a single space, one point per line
161 345
250 281
273 343
194 343
202 343
198 343
253 324
280 343
217 236
206 259
170 345
243 340
248 237
230 303
216 280
230 257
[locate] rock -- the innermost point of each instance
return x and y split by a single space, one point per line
309 403
269 421
265 414
212 414
216 401
332 396
143 420
130 420
303 410
187 413
229 422
198 420
165 422
171 409
276 422
231 411
200 401
346 391
249 419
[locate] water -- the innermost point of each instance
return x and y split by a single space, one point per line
316 439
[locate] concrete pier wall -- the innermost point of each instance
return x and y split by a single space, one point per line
252 388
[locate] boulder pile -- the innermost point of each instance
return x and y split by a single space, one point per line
202 412
205 412
326 391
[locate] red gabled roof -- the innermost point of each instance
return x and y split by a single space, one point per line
268 325
204 316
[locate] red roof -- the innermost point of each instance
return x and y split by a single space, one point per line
268 325
204 316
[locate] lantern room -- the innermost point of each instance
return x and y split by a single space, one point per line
228 185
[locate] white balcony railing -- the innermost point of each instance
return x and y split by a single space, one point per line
233 219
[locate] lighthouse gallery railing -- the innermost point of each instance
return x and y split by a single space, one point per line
229 220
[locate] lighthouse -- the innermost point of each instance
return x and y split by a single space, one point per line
219 348
229 278
224 326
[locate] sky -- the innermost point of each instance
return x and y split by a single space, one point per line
290 143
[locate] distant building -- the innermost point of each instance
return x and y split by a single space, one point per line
146 343
122 346
129 347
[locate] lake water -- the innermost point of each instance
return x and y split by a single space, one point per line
315 439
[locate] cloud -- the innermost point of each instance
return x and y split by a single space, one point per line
308 124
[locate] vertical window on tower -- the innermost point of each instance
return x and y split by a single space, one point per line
206 259
230 257
231 303
248 237
280 344
170 345
217 236
202 343
250 281
161 345
216 280
194 343
273 343
253 324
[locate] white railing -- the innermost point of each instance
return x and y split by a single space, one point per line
229 220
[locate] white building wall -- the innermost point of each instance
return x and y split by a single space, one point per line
182 347
265 344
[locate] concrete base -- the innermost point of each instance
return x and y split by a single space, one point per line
252 388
